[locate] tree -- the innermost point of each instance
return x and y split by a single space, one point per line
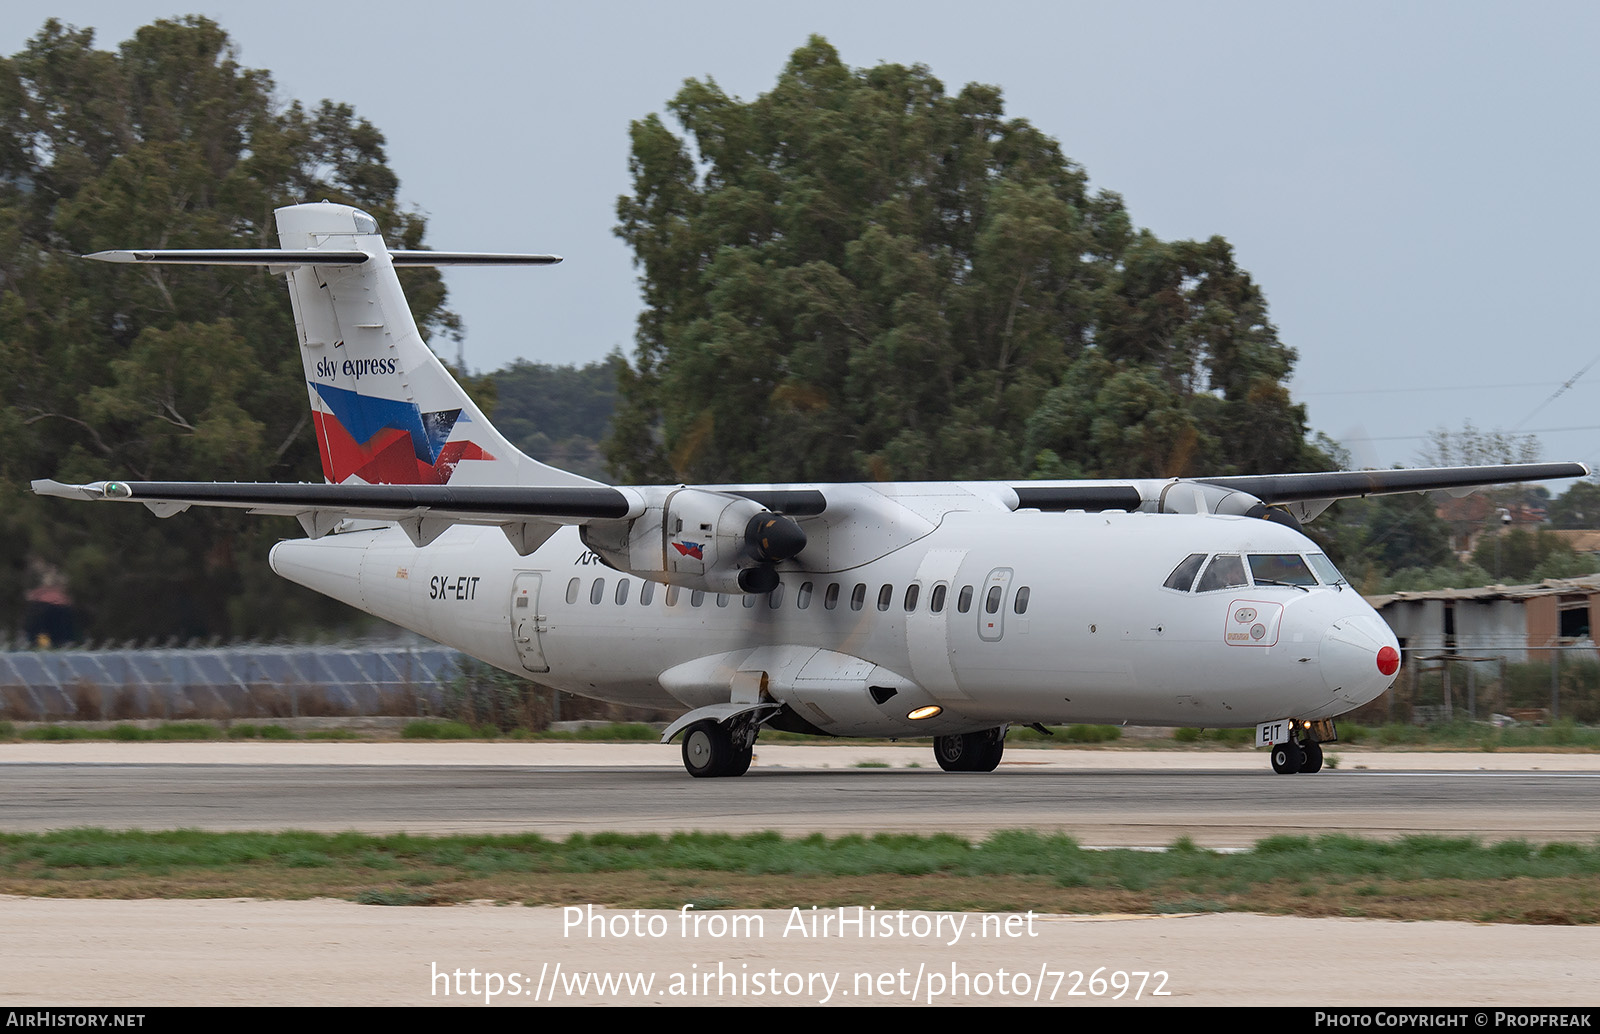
1471 447
859 275
1578 507
1514 556
558 414
186 373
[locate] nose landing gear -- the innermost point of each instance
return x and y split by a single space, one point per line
1291 757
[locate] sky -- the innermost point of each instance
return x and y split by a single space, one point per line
1411 184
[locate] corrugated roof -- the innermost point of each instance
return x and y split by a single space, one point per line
1548 587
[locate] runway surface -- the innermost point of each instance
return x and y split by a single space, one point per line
1102 798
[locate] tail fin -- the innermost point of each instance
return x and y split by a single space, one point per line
386 411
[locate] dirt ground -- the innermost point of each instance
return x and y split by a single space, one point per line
133 953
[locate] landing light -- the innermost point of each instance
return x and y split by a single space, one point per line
930 711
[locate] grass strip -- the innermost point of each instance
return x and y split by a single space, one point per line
1416 877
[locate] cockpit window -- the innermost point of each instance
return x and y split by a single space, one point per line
1280 569
1326 571
1224 573
1182 576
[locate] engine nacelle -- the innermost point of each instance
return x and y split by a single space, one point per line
700 540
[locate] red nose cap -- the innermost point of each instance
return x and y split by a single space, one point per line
1388 660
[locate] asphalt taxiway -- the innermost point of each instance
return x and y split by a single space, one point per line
1109 797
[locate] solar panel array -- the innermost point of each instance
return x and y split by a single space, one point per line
224 682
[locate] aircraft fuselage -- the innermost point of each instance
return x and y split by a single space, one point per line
992 617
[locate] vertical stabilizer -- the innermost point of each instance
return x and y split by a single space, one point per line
386 410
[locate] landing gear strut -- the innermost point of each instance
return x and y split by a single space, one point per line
970 752
712 748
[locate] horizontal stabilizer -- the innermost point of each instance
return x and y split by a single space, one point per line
469 258
313 257
236 257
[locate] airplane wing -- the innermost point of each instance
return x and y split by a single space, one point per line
1302 495
529 514
1351 484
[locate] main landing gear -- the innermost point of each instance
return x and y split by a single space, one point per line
712 748
971 751
1291 757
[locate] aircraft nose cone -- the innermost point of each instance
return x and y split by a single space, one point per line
1359 658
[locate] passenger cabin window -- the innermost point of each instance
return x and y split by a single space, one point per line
885 597
697 597
1182 576
936 601
1020 604
802 599
1225 572
622 591
991 603
722 599
912 592
572 590
1280 569
858 596
597 591
672 595
964 601
749 600
830 599
775 597
647 593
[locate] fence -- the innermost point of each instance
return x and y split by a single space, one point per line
225 682
1557 682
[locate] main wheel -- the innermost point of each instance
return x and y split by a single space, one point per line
991 746
1311 760
739 761
970 752
951 753
708 750
1286 758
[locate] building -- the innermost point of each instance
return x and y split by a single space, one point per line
1518 622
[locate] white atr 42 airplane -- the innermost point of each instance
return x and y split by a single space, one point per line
948 609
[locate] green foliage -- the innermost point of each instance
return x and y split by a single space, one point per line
1227 737
1445 576
1516 555
163 373
860 275
1390 543
1066 734
482 696
558 414
1578 507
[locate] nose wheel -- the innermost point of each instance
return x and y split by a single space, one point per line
1291 757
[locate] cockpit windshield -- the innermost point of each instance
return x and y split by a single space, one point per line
1225 572
1280 569
1182 576
1228 571
1326 571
